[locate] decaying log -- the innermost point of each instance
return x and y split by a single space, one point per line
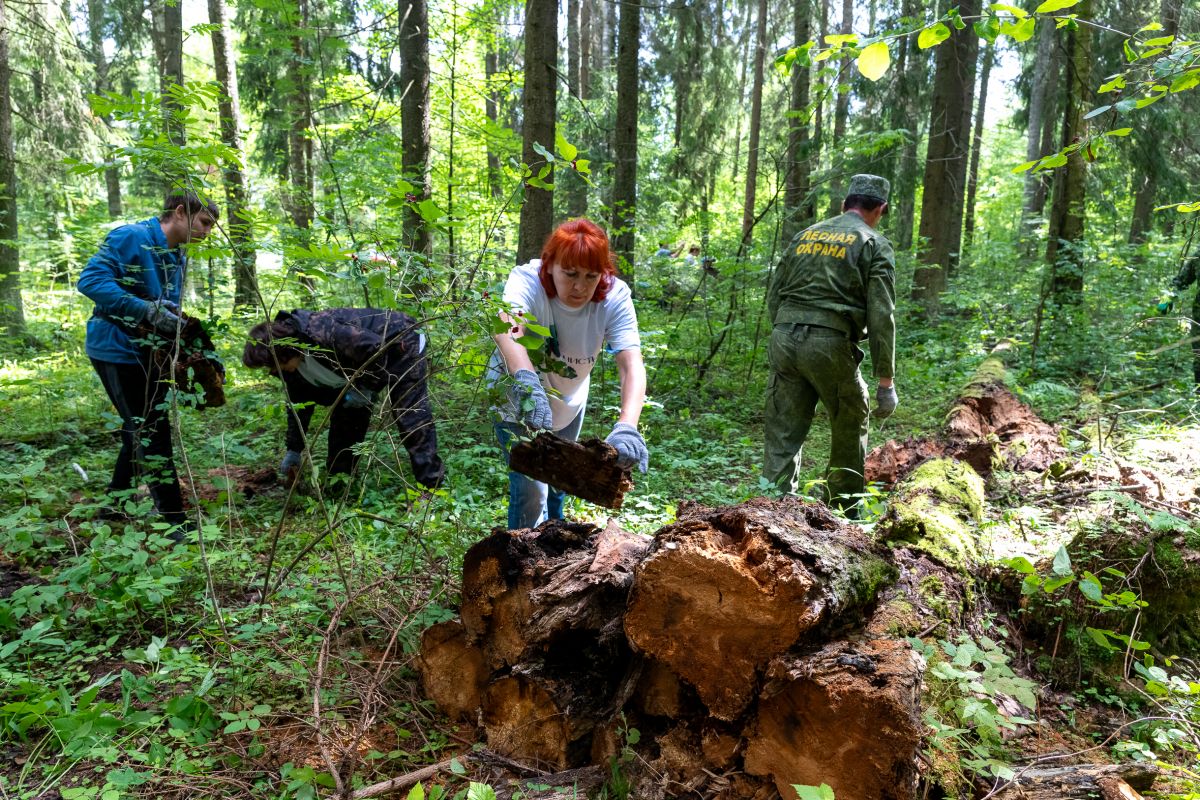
1080 781
988 425
452 670
928 598
546 716
722 591
572 783
935 510
848 716
586 469
563 583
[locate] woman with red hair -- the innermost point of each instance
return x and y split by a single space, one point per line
572 298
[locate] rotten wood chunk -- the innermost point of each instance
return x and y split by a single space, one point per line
529 592
586 469
453 672
546 715
1079 781
724 590
848 715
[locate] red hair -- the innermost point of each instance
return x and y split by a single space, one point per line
581 244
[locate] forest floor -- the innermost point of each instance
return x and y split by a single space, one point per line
277 652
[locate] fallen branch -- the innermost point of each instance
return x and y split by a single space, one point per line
406 781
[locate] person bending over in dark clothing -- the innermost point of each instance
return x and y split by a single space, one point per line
344 358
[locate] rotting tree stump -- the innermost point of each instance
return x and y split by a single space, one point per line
586 469
722 591
847 715
524 590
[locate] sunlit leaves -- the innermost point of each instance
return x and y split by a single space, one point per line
874 61
933 35
1050 6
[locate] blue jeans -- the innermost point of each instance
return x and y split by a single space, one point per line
530 502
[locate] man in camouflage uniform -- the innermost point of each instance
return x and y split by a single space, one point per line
1189 273
344 357
836 278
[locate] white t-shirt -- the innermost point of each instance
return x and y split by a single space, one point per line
576 336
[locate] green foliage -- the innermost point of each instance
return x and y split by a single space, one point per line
973 687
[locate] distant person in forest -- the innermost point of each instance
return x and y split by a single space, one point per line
664 251
1188 274
345 358
573 293
835 279
136 278
692 259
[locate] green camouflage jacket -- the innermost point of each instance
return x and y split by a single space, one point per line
840 274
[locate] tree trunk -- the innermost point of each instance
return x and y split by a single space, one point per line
841 113
798 182
1145 188
911 73
573 47
848 716
112 175
722 591
1041 91
241 237
585 49
977 143
946 162
741 95
539 107
1052 103
625 141
415 118
12 309
1067 214
167 36
756 98
491 101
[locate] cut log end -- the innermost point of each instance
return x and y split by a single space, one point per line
452 670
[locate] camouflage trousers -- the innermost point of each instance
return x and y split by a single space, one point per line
810 364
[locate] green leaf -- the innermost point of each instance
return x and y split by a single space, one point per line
530 342
1052 162
1090 586
1158 41
1028 165
1117 82
1054 584
1100 637
416 793
540 330
933 35
1062 561
1050 6
1095 112
456 767
1020 563
836 39
1130 55
565 149
1187 80
1020 31
1019 13
822 792
874 61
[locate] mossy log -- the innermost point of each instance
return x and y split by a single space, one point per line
722 591
563 582
586 469
452 670
847 715
935 510
1082 781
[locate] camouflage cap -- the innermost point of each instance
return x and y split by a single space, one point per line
869 186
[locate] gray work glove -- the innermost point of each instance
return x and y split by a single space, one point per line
533 407
630 446
358 398
161 318
885 401
289 468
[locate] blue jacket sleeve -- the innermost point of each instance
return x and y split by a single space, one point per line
120 270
